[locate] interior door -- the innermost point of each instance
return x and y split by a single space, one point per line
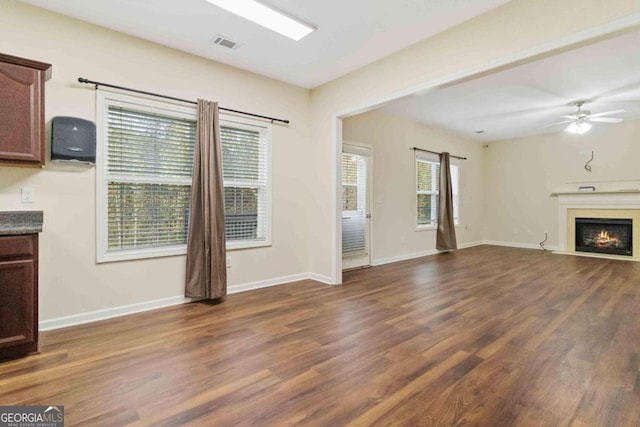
356 206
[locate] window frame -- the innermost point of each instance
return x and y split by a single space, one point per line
432 158
266 132
105 99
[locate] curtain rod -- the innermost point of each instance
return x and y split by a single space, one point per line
98 84
435 152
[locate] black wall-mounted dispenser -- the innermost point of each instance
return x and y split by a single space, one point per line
73 139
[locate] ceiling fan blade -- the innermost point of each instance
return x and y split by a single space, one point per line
572 117
559 123
608 113
606 120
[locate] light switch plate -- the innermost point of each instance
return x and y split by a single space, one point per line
28 195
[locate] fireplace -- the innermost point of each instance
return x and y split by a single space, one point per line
604 235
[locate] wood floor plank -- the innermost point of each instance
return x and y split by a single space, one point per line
486 336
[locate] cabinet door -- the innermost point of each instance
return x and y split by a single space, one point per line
17 303
21 114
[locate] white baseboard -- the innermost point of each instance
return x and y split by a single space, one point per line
236 289
109 313
389 260
470 245
320 278
519 245
420 254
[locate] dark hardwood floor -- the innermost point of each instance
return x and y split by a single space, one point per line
487 336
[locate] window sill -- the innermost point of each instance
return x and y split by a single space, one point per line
426 227
234 246
137 254
134 254
431 227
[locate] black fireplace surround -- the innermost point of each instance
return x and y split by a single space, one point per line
604 235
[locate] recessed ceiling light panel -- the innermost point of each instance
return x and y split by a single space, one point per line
266 16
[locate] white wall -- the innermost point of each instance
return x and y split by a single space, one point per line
70 280
517 29
521 174
394 200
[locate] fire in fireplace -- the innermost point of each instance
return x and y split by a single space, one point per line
604 235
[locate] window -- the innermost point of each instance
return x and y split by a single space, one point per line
245 168
427 190
350 172
144 171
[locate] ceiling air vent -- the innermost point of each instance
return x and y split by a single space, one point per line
224 42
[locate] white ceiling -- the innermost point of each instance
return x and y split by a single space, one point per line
525 100
351 33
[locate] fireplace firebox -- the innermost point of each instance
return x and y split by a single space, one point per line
604 235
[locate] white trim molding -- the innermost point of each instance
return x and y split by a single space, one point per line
405 257
109 313
519 245
322 279
236 289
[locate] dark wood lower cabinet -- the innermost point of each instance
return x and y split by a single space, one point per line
18 295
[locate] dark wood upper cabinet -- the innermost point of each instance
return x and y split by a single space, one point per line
22 110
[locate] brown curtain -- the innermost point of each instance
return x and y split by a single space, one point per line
446 236
206 251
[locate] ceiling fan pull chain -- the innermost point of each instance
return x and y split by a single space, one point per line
587 165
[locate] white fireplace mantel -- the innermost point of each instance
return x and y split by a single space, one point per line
624 199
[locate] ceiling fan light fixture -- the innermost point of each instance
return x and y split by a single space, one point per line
578 127
267 17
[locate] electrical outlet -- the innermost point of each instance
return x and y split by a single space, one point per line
28 195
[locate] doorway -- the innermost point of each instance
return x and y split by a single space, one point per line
356 206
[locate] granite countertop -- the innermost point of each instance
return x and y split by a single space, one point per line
20 222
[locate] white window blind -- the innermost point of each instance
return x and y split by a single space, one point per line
354 221
428 189
149 160
144 172
245 166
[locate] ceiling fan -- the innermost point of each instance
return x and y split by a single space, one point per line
579 121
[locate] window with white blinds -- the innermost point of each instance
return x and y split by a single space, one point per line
144 170
354 192
428 189
246 174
